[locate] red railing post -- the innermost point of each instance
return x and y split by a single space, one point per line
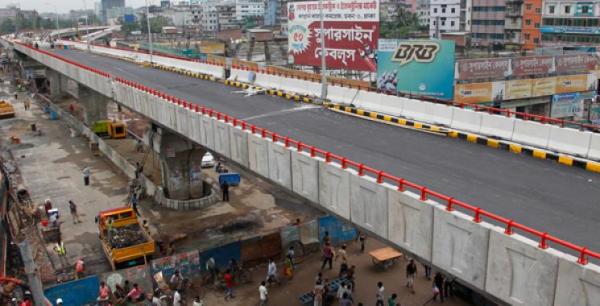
263 133
423 193
253 129
299 147
286 142
243 125
543 242
582 260
203 110
328 157
361 170
235 122
344 163
274 137
509 226
313 152
401 184
196 108
477 218
380 177
226 118
449 204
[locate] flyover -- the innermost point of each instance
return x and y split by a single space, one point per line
496 181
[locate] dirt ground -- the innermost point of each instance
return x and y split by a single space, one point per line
367 276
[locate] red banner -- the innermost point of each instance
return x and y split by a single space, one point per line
351 33
522 66
575 63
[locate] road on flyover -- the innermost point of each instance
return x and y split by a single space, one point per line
563 201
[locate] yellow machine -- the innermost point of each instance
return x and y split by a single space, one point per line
127 243
117 129
6 110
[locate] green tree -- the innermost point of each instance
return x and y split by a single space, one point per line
156 23
401 26
7 26
128 27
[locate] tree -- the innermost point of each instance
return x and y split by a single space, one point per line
7 26
156 23
401 26
128 27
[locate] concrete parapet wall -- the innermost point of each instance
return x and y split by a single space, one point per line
334 189
369 204
280 164
576 285
305 175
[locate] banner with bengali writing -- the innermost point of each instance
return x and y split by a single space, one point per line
517 89
571 83
487 68
543 87
351 31
532 65
479 92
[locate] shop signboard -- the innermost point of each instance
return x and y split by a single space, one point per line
571 83
569 104
479 92
543 87
487 68
517 89
575 63
532 65
351 31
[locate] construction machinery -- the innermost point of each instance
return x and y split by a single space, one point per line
115 129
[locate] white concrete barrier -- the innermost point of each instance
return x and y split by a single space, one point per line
239 145
369 204
258 155
414 109
368 100
262 80
240 75
499 126
519 272
313 88
372 101
568 140
576 285
280 164
466 120
196 128
531 133
460 246
439 114
342 95
334 188
594 152
222 143
410 223
207 132
305 175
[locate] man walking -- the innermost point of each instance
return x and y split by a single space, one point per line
225 188
79 268
86 176
263 294
272 272
228 284
380 295
411 272
74 214
328 255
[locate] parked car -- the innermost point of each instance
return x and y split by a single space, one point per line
207 160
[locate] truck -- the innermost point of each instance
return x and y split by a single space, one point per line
125 241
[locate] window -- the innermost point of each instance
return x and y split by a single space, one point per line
527 36
585 9
537 25
443 10
434 22
536 40
443 23
538 10
451 23
452 10
528 21
435 9
551 9
528 6
567 9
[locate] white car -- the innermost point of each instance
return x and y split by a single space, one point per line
207 160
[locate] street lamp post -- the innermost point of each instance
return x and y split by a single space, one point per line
149 32
323 55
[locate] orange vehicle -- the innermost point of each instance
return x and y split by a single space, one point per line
124 241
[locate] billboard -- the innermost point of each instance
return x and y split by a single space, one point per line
543 87
569 104
479 92
522 66
489 68
421 67
571 83
575 63
517 89
351 31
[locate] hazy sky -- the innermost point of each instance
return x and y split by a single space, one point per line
63 6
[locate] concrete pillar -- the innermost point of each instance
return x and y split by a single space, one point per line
94 105
180 163
55 83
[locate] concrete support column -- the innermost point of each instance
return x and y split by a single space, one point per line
180 162
94 105
55 83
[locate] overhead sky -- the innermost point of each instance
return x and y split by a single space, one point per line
64 6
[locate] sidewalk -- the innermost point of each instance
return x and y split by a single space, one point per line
51 167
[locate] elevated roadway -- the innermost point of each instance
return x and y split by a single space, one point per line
563 201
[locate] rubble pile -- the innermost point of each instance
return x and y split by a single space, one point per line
127 236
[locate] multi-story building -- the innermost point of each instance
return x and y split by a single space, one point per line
444 16
487 22
531 36
227 16
209 17
249 9
272 10
568 22
390 9
113 7
423 12
513 24
185 17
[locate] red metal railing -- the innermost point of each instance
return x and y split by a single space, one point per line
381 177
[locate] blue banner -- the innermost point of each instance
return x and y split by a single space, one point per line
78 292
419 67
339 231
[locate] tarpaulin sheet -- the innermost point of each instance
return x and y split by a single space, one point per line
79 292
339 231
221 255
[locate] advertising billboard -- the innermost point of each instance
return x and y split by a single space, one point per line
575 63
488 68
351 31
479 92
569 104
522 66
420 67
571 83
517 89
543 87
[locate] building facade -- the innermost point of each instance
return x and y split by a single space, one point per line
531 36
487 22
570 22
249 9
423 12
111 7
226 16
444 17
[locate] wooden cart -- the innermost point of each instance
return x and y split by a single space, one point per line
384 258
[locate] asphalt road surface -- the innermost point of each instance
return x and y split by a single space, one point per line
561 200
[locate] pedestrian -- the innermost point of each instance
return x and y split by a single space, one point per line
86 176
449 287
138 170
392 300
328 255
345 300
289 268
263 294
326 238
380 295
136 294
16 96
146 226
362 238
411 271
290 255
175 281
438 286
350 276
26 302
59 302
228 285
318 293
225 189
47 206
74 214
61 251
211 268
27 104
134 203
104 294
272 272
319 277
341 253
341 291
427 269
139 146
177 298
79 268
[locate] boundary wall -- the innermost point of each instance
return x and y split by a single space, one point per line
450 234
